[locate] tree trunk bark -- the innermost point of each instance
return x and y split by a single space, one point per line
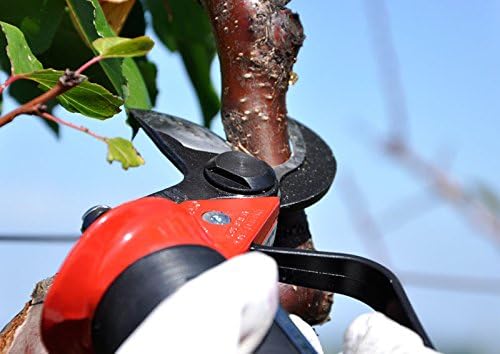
22 334
258 42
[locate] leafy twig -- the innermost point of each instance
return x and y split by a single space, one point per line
114 47
66 82
91 100
69 80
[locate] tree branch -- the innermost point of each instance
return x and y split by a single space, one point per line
69 80
65 83
258 42
446 187
389 69
397 145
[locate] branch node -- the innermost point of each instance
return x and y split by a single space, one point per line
71 79
41 108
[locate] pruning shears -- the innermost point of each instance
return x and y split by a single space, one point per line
133 256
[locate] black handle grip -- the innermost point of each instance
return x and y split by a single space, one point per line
346 274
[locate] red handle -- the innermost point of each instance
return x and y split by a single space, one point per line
127 234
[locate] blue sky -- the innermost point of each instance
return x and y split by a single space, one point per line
449 55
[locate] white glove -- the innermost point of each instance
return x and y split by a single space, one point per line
374 333
226 310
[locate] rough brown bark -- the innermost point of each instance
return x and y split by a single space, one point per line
22 334
258 42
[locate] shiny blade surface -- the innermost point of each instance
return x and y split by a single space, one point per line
196 137
304 178
188 134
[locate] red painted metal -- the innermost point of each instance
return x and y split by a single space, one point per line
130 232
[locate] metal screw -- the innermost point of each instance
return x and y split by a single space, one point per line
216 218
239 173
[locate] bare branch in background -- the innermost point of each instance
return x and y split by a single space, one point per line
397 144
362 220
388 68
447 188
367 229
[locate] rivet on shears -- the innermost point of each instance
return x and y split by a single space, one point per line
216 218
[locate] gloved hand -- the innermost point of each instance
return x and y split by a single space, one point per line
226 310
229 309
374 333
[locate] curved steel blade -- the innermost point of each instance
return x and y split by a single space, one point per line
304 177
188 134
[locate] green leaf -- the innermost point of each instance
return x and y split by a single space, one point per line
22 59
37 19
149 72
89 99
124 74
69 50
123 151
118 47
184 26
